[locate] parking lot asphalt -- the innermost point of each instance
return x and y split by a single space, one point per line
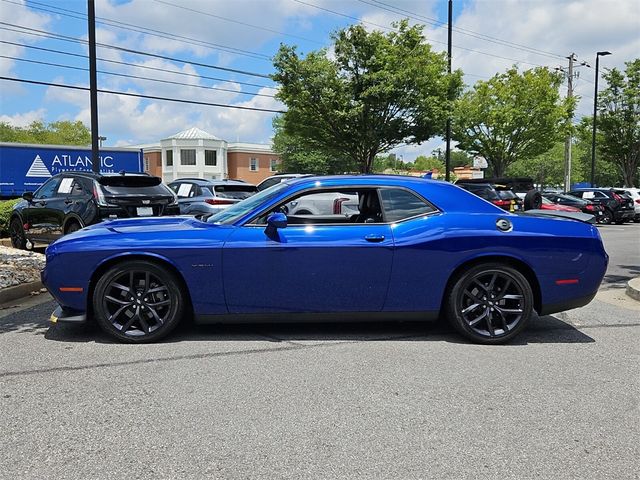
352 400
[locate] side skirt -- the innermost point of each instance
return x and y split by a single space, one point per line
342 317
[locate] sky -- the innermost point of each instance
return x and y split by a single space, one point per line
219 52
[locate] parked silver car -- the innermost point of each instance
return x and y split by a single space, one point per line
199 196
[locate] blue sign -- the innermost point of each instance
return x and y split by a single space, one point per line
23 168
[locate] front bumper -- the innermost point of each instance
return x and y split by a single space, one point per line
65 315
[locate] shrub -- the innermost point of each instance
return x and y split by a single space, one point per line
6 206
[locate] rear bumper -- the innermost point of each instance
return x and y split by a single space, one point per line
566 305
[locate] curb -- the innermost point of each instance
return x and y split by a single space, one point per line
6 242
633 288
19 291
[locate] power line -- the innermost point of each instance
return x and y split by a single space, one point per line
139 95
144 30
430 40
145 67
136 77
200 12
463 31
138 52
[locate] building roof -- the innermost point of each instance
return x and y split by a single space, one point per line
193 133
250 147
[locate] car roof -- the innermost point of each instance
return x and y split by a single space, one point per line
205 181
93 175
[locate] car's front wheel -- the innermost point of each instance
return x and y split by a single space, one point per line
490 303
138 301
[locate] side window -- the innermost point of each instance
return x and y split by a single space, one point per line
76 188
184 190
175 187
330 207
48 189
601 195
399 204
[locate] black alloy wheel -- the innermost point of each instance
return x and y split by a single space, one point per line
607 216
16 231
490 303
73 227
138 302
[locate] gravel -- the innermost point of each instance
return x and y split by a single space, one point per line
19 266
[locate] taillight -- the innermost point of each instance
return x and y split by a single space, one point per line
637 200
218 201
337 205
589 207
502 203
617 197
98 196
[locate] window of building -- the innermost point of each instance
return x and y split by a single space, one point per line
273 165
187 156
169 158
253 164
210 158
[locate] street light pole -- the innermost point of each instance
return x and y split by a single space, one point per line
93 86
595 113
448 133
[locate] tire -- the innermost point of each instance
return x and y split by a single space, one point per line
73 227
607 217
496 319
138 302
532 200
16 231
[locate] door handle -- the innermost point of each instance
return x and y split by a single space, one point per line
68 202
372 237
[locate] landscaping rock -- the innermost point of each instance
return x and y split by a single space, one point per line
19 266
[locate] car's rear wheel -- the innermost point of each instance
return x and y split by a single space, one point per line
72 227
16 231
490 303
607 216
138 301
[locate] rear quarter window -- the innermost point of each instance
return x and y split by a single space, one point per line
400 204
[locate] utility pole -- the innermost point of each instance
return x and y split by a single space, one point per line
447 163
93 86
567 141
570 75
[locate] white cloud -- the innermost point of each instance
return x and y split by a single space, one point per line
24 119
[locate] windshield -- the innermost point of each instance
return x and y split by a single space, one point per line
234 212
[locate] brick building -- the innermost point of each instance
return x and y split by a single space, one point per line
196 153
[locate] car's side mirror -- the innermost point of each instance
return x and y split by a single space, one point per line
28 196
277 220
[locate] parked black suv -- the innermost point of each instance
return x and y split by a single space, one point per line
72 200
617 208
499 195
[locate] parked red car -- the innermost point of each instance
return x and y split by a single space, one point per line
549 205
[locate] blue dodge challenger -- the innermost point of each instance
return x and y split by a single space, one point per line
404 248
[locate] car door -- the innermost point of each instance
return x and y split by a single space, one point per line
325 264
38 216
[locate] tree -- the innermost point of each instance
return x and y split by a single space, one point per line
513 116
56 133
377 91
423 164
619 121
296 158
548 168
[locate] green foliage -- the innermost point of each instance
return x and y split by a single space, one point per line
379 90
619 121
55 133
548 168
6 207
424 164
297 158
513 116
606 172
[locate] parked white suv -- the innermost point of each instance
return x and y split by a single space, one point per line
634 193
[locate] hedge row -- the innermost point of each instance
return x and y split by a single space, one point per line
6 206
